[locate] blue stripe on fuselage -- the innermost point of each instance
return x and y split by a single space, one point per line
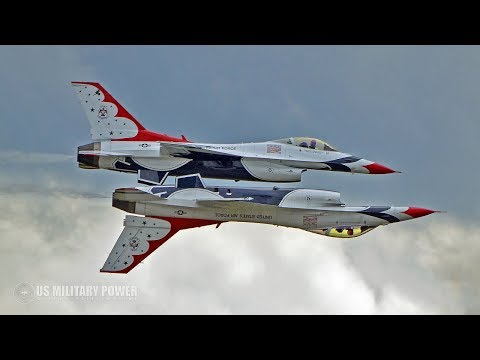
210 166
345 160
337 165
377 211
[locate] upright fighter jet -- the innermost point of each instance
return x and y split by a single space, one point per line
122 143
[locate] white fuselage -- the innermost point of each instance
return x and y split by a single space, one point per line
263 161
286 154
307 219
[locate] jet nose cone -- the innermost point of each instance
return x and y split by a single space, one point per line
376 168
416 212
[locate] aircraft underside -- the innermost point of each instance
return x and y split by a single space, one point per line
220 169
207 165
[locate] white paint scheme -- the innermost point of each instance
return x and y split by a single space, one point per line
169 209
109 125
163 164
271 171
135 238
296 157
281 160
241 211
196 194
196 203
133 148
287 166
310 199
289 153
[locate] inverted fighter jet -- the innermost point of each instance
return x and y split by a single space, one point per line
190 204
121 143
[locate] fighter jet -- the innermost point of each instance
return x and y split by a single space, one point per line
122 143
190 204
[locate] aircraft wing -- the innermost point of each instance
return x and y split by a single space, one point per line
186 148
143 235
181 149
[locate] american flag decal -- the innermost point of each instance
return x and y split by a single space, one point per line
274 149
309 220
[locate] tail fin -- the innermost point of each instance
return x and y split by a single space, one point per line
143 235
109 120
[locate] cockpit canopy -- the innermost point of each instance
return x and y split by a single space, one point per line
307 142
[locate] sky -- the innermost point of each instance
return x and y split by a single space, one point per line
412 108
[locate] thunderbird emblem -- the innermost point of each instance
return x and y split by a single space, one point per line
103 112
133 244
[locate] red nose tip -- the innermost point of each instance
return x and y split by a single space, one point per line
416 212
376 168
